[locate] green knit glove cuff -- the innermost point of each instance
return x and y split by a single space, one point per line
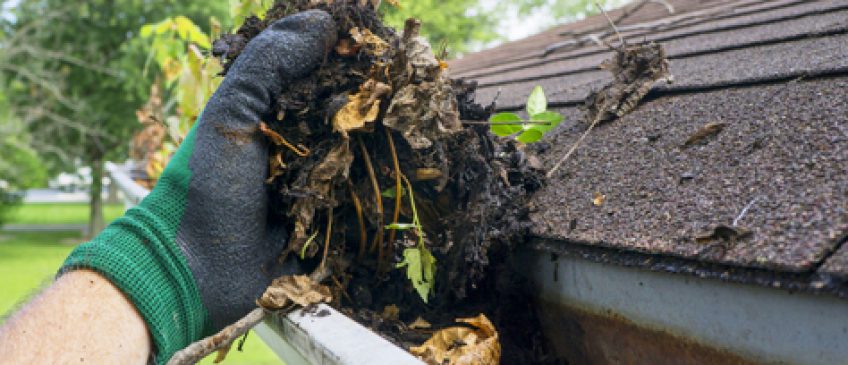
137 254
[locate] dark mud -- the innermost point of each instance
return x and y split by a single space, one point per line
470 190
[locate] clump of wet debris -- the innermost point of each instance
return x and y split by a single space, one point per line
409 213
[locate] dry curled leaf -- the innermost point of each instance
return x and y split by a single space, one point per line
362 108
373 44
462 345
291 290
724 233
708 130
598 199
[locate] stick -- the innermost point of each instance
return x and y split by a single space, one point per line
363 235
745 210
398 193
378 197
327 238
200 349
574 147
612 24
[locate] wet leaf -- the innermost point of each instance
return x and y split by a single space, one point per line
362 108
462 345
536 102
504 130
300 290
420 270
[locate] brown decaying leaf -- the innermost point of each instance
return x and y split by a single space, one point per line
724 233
598 199
334 168
300 290
425 109
373 44
391 312
635 70
708 130
420 324
361 109
462 345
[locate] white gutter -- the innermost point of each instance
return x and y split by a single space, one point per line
764 325
322 336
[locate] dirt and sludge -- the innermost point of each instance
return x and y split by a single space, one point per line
408 213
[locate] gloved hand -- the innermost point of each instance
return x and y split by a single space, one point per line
200 249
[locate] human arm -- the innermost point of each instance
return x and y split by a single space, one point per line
80 318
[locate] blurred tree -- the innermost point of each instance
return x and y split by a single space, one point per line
74 75
458 24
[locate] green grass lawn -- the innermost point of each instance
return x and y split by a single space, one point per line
64 213
28 262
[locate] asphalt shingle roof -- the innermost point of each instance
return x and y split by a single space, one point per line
773 73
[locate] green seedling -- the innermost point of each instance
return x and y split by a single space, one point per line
419 262
527 131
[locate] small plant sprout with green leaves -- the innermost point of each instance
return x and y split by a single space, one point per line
527 131
419 262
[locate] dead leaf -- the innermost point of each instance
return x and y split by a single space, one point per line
427 173
708 130
373 44
635 70
462 345
362 108
300 290
391 312
420 324
724 233
599 199
333 169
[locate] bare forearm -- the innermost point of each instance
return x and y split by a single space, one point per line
81 317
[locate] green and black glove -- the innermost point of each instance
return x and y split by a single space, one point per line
200 249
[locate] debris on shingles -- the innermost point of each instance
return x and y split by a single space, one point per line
708 130
724 234
474 344
635 70
293 290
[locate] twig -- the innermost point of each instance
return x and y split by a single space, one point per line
612 24
200 349
378 198
398 192
327 238
363 235
745 210
574 147
280 141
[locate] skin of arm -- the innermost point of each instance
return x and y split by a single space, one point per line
80 318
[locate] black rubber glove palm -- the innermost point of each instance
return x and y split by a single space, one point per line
200 249
225 233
